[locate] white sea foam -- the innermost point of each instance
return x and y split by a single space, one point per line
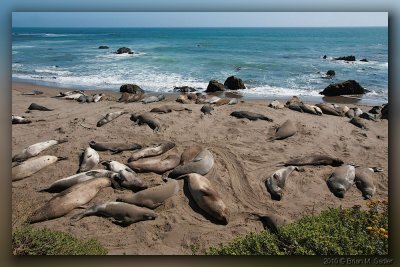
21 46
53 71
267 90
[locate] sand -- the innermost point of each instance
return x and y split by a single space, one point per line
244 158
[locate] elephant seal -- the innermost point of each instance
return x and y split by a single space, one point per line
341 180
114 147
206 197
276 105
151 99
64 183
233 101
365 182
19 120
329 110
250 115
168 109
201 164
350 113
32 165
271 222
358 122
146 118
286 130
314 160
206 109
127 178
88 159
223 101
369 116
122 213
308 109
152 150
35 106
97 97
295 107
35 149
154 196
74 197
276 182
109 117
158 164
34 92
357 112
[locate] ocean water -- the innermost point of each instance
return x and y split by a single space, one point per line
272 62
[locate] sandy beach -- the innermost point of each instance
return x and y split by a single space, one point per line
243 155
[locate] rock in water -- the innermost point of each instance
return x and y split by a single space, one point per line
346 58
131 88
124 50
234 83
349 87
214 86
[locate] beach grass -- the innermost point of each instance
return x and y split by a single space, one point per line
336 231
43 241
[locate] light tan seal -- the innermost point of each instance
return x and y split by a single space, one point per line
276 182
127 178
72 198
88 159
35 149
158 164
365 182
109 117
314 160
206 197
341 180
32 165
122 213
287 129
67 182
154 196
151 151
202 163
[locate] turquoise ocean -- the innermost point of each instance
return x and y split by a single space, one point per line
272 62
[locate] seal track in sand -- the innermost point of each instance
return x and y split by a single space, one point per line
243 193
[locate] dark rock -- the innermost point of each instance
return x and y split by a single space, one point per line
364 60
124 50
324 57
346 58
214 86
103 47
349 87
330 73
131 88
385 112
234 83
184 89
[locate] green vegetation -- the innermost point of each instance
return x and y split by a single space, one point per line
334 232
31 241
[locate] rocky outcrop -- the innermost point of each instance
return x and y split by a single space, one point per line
124 50
346 58
350 87
184 89
364 60
103 47
234 83
131 88
330 73
214 86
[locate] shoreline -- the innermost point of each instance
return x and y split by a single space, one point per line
351 100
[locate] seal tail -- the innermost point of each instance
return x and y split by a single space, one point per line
43 189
